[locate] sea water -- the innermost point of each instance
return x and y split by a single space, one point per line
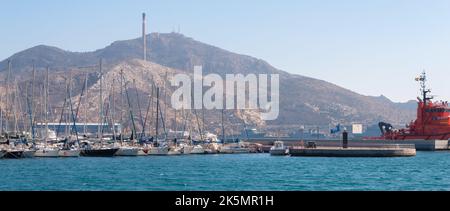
426 171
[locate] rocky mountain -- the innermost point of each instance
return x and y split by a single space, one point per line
303 100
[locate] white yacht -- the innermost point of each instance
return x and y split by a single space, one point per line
279 149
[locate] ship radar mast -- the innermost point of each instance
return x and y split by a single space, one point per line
423 88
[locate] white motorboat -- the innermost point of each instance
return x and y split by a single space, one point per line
279 149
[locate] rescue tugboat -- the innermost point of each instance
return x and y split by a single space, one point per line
432 123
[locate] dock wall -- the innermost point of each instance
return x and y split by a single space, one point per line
421 145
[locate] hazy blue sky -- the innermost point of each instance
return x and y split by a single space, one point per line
371 47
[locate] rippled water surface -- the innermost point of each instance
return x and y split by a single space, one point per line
426 171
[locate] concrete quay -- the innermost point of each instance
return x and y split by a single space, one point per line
382 151
420 145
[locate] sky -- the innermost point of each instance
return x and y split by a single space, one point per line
370 47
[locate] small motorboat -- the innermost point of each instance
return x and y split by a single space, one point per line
279 149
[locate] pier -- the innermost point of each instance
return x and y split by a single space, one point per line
373 151
420 145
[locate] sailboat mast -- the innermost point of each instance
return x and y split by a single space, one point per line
157 113
7 95
175 124
15 107
152 104
112 108
86 103
164 118
32 100
223 127
46 104
121 106
141 118
1 116
74 118
146 114
100 104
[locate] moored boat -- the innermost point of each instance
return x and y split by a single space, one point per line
432 121
159 150
47 152
88 150
279 149
127 151
13 154
233 149
28 153
99 152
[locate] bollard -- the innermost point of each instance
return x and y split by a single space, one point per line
345 139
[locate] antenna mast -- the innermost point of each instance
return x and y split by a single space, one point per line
423 87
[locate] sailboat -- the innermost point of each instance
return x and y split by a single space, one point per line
125 149
44 149
97 148
159 146
17 144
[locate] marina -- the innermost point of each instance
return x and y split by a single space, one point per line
229 172
379 151
162 111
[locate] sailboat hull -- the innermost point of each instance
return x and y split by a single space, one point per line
28 153
2 153
198 150
13 154
42 153
143 152
127 152
158 151
69 153
110 152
